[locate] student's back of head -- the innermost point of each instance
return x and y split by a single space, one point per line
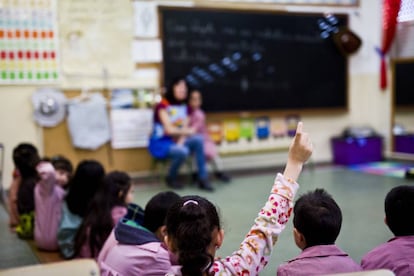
157 208
117 188
99 219
88 178
191 224
26 158
399 209
318 218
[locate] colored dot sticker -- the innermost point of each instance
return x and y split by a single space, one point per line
12 75
39 75
29 75
21 75
46 74
4 75
55 75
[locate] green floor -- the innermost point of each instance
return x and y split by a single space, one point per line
359 195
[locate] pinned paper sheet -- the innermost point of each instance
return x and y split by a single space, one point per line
96 36
145 19
147 76
147 51
131 127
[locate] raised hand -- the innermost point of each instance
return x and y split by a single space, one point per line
301 147
299 152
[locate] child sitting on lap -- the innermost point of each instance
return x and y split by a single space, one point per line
198 122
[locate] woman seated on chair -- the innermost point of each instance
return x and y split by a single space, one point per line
172 138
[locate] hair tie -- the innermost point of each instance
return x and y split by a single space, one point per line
190 201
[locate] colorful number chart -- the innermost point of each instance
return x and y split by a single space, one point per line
28 42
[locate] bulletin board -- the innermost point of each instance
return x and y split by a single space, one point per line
57 141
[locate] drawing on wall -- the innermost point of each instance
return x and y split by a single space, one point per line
145 19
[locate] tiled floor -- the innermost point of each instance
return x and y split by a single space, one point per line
359 195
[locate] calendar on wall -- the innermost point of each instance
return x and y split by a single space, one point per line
28 42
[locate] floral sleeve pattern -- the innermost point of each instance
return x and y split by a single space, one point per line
255 250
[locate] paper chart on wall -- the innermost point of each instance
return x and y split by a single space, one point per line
131 127
147 51
28 42
95 36
145 19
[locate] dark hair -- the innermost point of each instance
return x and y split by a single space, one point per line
26 158
317 217
157 208
399 209
83 186
190 223
60 162
169 94
98 222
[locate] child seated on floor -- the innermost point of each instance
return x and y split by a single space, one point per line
108 206
198 122
137 248
49 193
194 233
317 222
398 253
86 181
21 200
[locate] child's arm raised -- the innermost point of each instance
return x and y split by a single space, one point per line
256 248
299 152
47 180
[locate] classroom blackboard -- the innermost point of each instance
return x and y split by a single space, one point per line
404 83
248 60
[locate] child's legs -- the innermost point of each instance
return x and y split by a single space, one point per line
195 144
217 163
178 154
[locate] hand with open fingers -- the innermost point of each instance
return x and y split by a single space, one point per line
301 147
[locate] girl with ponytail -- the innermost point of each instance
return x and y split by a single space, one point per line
194 232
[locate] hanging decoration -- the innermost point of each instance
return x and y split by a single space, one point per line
390 9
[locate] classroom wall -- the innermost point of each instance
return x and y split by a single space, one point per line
16 124
367 104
